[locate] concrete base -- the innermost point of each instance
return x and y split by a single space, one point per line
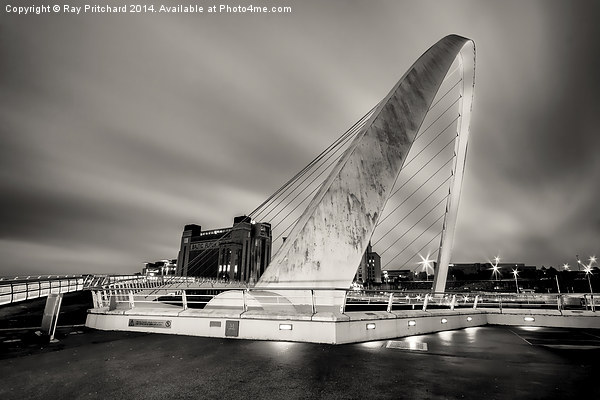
324 327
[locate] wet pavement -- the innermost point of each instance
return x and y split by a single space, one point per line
489 362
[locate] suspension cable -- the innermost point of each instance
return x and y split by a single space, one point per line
415 224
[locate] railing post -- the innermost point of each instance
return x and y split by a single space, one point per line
245 305
97 299
559 303
312 301
475 302
592 302
425 302
452 302
390 302
184 300
131 301
343 306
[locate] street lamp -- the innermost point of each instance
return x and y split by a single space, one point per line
425 262
566 266
588 272
495 269
516 273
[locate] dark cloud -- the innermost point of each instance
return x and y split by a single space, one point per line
116 130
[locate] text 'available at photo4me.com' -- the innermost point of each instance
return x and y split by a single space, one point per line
148 8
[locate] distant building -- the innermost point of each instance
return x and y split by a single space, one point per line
398 275
160 268
240 253
484 271
369 270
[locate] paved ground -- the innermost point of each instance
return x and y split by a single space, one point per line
473 363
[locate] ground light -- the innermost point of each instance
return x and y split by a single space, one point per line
412 323
370 326
528 319
285 327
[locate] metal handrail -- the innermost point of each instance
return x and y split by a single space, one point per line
352 300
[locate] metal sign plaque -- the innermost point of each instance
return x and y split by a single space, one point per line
51 311
402 345
232 328
150 323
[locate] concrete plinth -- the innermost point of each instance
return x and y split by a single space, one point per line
324 327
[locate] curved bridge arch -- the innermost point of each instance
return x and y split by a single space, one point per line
325 246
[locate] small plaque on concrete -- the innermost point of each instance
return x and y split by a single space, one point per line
402 345
232 328
150 323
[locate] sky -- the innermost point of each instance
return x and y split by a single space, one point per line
116 130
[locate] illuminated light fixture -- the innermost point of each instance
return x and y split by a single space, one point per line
412 322
285 327
370 326
469 319
444 321
529 319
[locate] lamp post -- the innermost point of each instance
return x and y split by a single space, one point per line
516 273
495 269
588 272
425 262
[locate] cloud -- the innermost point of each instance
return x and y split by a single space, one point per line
118 131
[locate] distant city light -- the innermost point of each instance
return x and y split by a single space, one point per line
592 259
566 266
